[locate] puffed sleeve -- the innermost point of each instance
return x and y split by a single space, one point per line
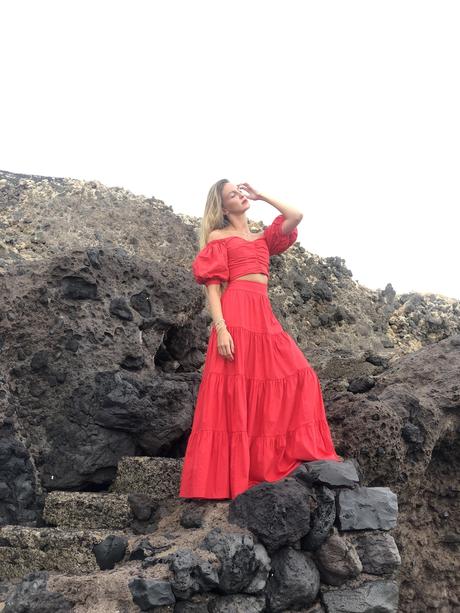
276 241
210 266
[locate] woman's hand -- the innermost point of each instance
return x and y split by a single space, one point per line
252 194
225 345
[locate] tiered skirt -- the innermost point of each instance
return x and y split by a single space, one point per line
259 416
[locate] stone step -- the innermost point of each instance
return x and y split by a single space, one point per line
24 549
93 510
157 478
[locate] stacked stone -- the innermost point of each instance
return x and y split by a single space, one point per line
315 542
321 541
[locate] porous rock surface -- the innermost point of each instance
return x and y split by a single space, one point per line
101 360
218 564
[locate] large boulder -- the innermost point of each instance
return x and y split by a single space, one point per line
278 513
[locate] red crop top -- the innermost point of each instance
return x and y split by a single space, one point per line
224 259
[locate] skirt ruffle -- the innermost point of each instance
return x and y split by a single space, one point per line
259 416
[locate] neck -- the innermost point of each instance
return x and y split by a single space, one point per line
240 225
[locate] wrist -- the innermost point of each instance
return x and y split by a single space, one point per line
220 325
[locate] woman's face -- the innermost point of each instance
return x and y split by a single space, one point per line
233 199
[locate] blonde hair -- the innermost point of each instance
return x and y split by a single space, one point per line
213 216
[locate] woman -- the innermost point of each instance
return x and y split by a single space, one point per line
259 412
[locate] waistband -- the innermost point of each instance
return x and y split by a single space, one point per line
246 284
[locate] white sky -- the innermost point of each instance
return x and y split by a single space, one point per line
346 110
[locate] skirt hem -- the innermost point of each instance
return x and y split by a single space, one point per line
236 460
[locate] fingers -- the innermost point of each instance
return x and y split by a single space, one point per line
225 351
231 346
249 189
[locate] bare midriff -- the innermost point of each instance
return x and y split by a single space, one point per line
253 276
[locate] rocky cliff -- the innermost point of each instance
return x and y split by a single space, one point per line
103 333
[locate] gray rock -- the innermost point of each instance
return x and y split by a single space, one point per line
322 520
337 560
237 603
191 573
328 472
141 302
413 435
110 551
142 549
155 477
19 490
192 516
119 307
31 596
375 508
75 433
185 606
243 566
293 582
260 578
278 512
148 593
371 597
322 291
132 362
78 288
377 551
142 506
93 257
377 359
361 384
87 510
316 607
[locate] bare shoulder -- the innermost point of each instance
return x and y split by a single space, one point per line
214 234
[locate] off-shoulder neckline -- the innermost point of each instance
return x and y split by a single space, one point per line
226 238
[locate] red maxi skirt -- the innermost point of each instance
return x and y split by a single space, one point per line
259 416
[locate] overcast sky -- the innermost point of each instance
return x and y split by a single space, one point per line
346 110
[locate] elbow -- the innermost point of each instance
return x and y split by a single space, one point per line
298 219
294 215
